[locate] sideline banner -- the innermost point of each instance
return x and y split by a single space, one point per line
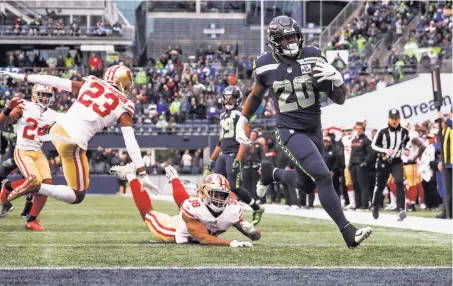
413 98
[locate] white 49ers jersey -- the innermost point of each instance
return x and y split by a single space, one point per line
33 123
99 105
347 143
196 209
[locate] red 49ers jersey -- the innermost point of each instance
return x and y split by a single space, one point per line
98 105
33 123
196 209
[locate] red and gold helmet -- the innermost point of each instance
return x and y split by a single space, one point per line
120 77
215 192
42 95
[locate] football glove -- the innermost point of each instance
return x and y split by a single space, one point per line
237 165
235 243
241 137
328 72
15 102
248 227
210 165
171 173
147 184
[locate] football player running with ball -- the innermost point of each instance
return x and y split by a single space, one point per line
100 104
293 73
200 220
229 152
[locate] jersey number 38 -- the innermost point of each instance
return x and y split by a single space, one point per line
301 86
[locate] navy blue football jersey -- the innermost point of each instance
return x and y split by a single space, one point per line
228 121
296 100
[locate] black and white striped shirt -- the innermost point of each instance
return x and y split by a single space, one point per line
391 138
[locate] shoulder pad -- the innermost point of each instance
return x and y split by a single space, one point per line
312 51
264 59
235 211
191 207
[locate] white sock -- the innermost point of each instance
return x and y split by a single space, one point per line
130 177
351 198
59 192
393 199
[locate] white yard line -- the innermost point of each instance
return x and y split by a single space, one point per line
364 218
222 267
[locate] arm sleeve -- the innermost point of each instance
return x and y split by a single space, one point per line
421 147
338 94
377 142
49 80
132 146
406 140
448 122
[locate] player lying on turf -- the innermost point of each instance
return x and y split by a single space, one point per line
100 104
200 220
33 119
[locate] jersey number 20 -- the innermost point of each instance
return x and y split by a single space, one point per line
103 110
301 87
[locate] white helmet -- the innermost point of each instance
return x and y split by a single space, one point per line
42 95
214 192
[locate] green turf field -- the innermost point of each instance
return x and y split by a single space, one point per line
106 231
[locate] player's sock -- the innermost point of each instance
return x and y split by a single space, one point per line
421 193
413 194
244 196
38 205
351 196
11 185
287 176
141 198
59 192
330 201
179 192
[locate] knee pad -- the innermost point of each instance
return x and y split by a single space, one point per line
79 197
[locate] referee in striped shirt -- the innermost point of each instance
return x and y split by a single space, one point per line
390 143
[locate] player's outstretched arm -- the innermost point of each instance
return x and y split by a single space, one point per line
12 112
198 231
251 105
248 230
133 149
49 80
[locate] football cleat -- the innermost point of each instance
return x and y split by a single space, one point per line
8 207
122 171
401 215
350 207
375 211
34 225
171 173
353 236
267 170
30 186
390 207
257 215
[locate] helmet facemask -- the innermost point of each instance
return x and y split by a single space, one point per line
287 44
216 199
43 96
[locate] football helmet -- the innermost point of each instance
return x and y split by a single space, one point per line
120 77
231 97
42 95
214 192
285 36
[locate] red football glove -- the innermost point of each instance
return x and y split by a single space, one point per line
15 102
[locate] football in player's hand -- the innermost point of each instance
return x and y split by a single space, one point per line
325 85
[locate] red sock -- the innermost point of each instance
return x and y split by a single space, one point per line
412 194
179 192
421 193
38 204
141 198
15 184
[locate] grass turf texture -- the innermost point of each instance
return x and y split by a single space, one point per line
106 231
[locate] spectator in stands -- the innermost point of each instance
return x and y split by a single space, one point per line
175 109
186 163
149 161
197 162
117 29
162 123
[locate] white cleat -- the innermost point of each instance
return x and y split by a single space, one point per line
122 171
422 206
261 189
349 207
171 173
390 207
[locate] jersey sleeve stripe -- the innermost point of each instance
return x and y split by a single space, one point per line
131 107
266 68
188 213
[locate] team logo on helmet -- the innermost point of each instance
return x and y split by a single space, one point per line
120 77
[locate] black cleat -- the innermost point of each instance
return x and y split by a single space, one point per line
6 209
353 236
267 170
27 208
375 211
412 208
442 215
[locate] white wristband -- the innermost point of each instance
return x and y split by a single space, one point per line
242 120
